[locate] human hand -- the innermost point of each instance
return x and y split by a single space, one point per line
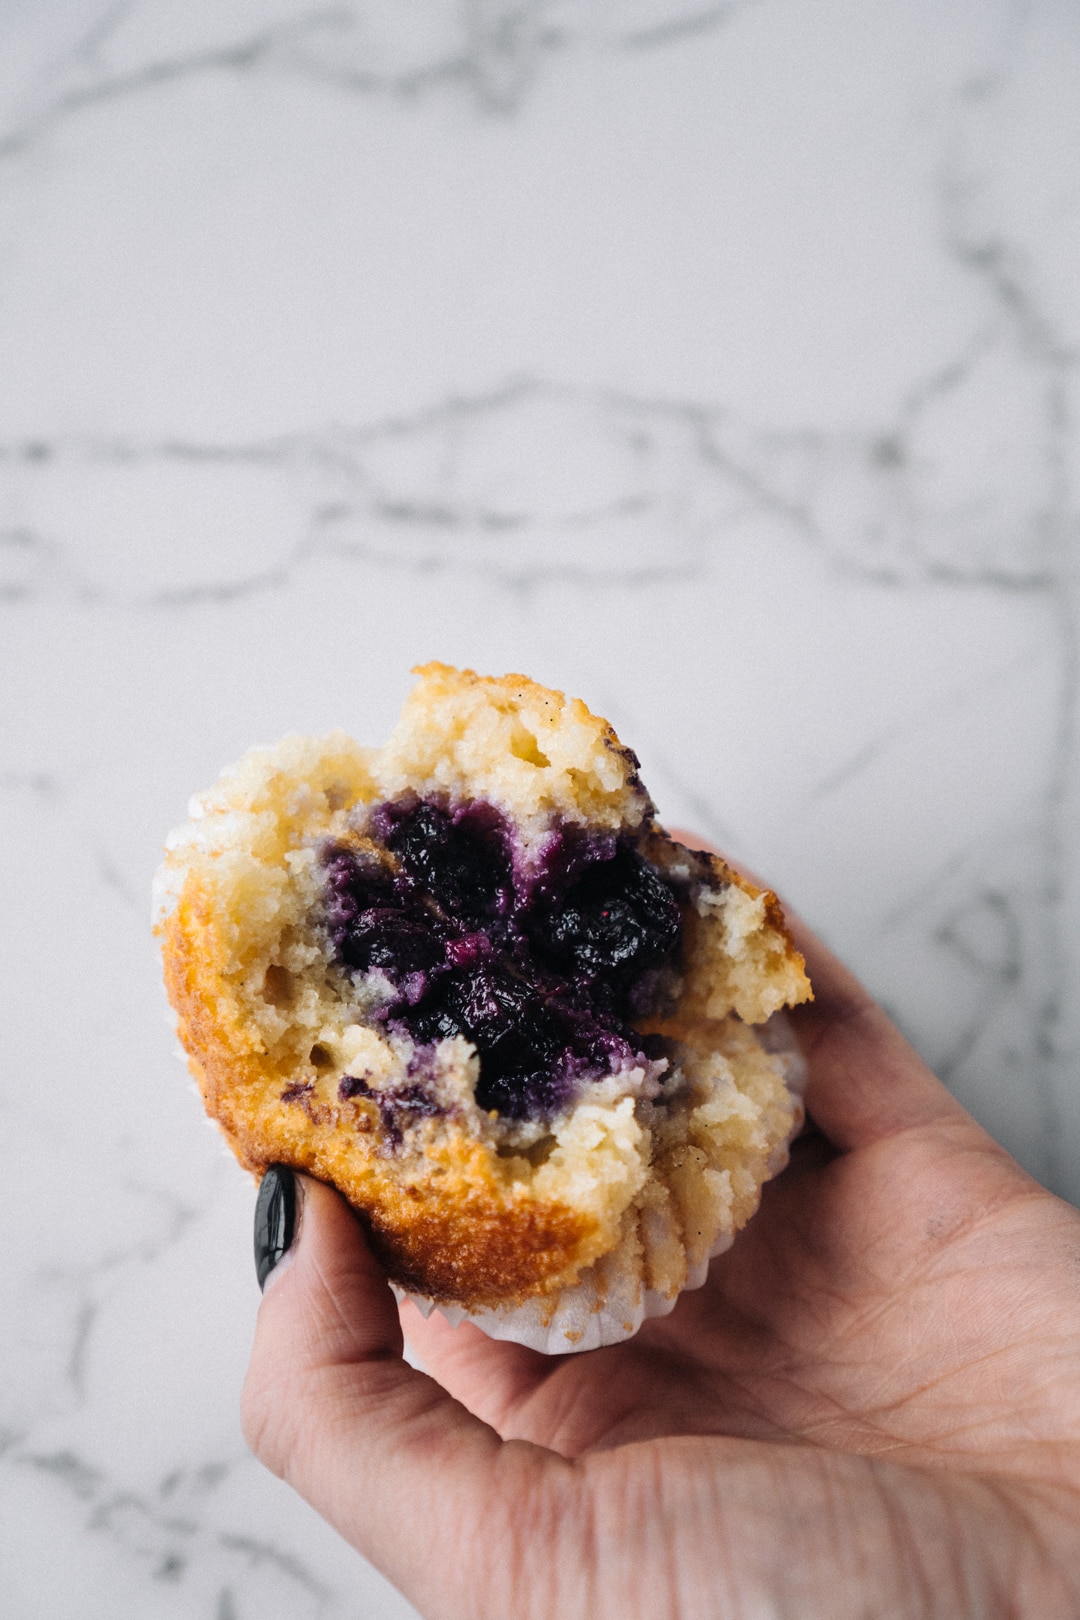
871 1408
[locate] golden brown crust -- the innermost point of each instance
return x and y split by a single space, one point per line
480 1252
481 1246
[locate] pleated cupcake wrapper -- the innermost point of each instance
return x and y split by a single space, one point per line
603 1307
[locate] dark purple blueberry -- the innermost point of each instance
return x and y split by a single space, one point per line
297 1092
460 861
495 1007
618 918
353 884
468 949
356 882
534 1093
603 1050
567 852
517 1035
350 1085
399 943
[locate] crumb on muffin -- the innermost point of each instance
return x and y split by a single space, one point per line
467 979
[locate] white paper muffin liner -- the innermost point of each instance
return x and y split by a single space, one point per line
604 1307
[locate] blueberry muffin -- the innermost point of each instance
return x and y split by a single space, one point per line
468 980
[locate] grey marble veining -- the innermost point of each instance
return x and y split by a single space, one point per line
718 363
491 49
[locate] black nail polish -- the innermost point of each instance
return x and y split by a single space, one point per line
275 1219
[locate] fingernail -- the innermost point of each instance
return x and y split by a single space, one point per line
275 1220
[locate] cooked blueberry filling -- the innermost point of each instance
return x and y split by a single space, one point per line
461 861
542 973
618 918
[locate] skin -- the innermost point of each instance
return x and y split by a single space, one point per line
872 1409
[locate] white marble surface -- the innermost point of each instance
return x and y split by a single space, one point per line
717 362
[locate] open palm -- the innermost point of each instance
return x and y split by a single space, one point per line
871 1408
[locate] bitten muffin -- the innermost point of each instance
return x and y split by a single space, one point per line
468 980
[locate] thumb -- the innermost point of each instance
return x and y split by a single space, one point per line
461 1521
